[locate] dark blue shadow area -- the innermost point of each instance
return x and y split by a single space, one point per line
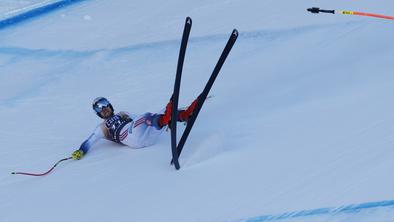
35 13
354 208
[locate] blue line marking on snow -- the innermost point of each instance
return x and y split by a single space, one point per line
13 55
251 35
8 22
353 208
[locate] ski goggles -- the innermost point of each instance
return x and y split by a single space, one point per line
100 105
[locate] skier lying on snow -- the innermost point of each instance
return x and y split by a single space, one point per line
131 130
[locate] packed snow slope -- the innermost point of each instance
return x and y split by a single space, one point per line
302 115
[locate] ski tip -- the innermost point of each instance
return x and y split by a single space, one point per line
188 20
235 32
13 173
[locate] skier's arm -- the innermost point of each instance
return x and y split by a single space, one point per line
125 116
87 144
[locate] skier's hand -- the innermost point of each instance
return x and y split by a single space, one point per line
124 116
77 154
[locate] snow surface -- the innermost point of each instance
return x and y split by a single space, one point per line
302 115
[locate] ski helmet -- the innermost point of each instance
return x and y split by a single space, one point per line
99 103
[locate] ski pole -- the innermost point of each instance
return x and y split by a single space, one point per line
42 174
316 10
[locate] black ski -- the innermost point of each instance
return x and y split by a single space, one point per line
175 95
202 97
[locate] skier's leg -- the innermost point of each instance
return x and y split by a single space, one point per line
154 120
184 115
164 119
144 131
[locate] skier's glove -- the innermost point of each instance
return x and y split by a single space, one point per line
77 154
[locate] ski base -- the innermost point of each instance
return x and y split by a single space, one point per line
177 149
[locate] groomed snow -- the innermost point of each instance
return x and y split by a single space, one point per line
302 115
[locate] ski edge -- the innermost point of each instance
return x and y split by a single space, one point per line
202 97
175 95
